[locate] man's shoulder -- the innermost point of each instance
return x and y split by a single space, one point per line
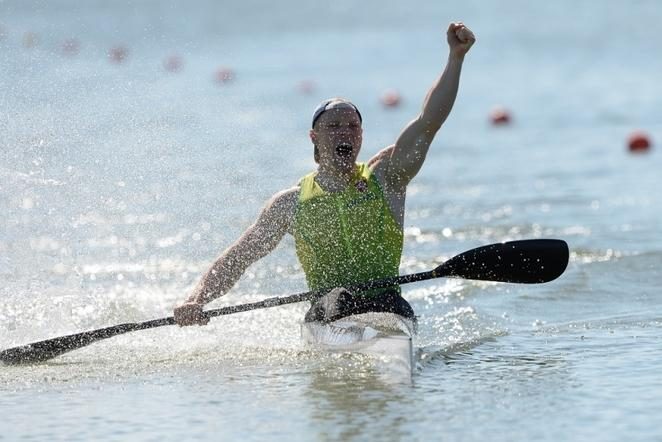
287 194
380 159
392 180
380 167
285 200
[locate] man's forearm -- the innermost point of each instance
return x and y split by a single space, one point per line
441 97
221 277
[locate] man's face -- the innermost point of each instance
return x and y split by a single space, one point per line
338 136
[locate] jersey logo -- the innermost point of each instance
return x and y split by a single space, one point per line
361 185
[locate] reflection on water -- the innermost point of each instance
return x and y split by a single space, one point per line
350 400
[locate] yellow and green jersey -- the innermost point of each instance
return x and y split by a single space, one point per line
347 237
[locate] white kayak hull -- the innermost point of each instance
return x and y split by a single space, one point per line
384 336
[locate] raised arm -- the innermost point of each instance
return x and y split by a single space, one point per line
256 242
400 162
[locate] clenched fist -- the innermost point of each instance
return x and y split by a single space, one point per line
460 39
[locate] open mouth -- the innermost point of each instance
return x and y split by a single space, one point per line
344 150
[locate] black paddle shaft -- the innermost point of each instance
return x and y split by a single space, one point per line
526 261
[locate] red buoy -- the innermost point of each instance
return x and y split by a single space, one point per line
391 98
306 87
224 75
500 116
639 141
173 63
70 47
118 54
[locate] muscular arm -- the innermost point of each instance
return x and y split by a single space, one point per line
256 242
398 164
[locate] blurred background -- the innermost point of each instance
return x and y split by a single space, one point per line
138 139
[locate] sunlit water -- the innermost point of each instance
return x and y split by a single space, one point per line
120 183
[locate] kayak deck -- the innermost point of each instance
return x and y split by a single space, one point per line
385 336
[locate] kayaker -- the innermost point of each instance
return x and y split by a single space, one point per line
346 217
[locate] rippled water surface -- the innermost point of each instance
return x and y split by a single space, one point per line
120 182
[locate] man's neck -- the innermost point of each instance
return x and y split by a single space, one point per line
334 180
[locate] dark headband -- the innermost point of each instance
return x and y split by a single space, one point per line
322 107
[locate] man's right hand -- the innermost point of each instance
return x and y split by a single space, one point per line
190 313
460 39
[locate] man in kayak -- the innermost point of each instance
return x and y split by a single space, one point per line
347 217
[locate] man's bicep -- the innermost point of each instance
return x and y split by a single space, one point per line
272 224
409 152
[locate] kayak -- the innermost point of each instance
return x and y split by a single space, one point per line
386 337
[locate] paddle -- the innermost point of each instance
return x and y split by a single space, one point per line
527 261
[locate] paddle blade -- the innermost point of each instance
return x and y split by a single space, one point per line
528 261
50 348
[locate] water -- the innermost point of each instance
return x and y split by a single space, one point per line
120 183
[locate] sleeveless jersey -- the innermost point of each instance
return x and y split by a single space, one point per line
347 237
